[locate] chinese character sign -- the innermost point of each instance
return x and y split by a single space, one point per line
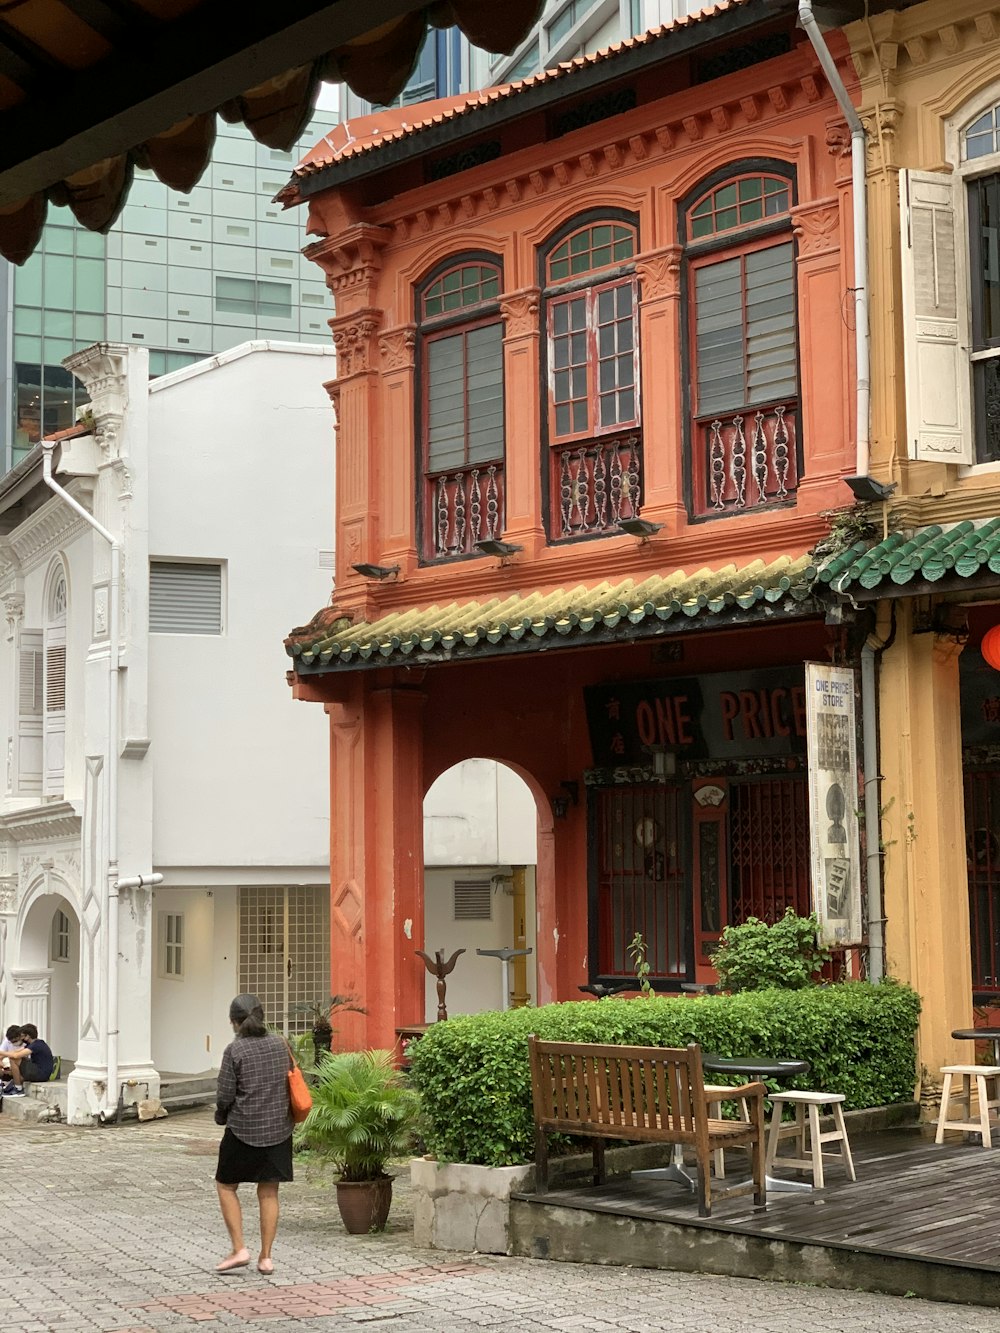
833 803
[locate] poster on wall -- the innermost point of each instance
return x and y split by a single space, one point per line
833 803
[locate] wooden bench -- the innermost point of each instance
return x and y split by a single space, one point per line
642 1094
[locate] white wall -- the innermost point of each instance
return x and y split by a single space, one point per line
479 813
476 983
65 990
241 469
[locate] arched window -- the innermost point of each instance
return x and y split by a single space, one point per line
742 339
592 375
981 149
462 405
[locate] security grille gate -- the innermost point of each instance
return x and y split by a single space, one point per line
285 951
769 848
982 855
641 883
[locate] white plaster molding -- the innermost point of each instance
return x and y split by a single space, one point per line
57 821
45 531
102 370
31 981
13 605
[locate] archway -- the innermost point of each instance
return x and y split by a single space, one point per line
46 988
480 859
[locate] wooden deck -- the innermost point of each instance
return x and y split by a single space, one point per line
920 1219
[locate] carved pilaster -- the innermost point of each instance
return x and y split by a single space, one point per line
396 347
13 606
660 273
881 123
102 371
520 312
354 339
817 228
351 263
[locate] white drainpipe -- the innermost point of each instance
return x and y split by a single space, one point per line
862 345
109 905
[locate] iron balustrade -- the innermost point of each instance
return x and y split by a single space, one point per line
594 485
464 506
746 461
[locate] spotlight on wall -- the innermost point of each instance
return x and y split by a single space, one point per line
560 806
664 760
570 795
493 546
868 490
639 527
376 571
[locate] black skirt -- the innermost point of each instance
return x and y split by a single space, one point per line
241 1162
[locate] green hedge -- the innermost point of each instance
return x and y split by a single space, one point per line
472 1071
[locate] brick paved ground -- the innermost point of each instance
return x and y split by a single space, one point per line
118 1230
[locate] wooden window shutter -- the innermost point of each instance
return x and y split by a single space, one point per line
54 728
935 319
28 780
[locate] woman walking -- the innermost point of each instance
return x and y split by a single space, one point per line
252 1103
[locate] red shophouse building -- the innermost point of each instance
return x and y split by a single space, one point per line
594 394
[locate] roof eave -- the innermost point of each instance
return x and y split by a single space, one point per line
491 115
789 608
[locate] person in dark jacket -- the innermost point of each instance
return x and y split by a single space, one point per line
252 1103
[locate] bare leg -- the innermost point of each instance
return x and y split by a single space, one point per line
267 1201
232 1215
15 1058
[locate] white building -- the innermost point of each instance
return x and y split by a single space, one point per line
217 481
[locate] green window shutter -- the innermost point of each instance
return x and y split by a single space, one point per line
719 337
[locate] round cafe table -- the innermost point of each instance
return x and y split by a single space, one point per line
752 1068
981 1034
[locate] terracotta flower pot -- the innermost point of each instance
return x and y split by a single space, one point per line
364 1204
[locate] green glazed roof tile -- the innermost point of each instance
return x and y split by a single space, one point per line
332 642
925 555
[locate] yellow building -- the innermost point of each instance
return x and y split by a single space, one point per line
930 90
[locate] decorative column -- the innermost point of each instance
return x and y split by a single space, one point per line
523 467
663 426
926 897
352 263
825 413
376 860
8 918
30 999
399 481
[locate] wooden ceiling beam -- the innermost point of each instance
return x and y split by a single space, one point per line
110 18
162 75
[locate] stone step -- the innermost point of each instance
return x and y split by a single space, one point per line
43 1101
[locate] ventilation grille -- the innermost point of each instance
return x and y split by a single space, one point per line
473 900
185 598
326 560
55 679
591 111
463 161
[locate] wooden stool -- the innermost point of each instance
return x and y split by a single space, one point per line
808 1137
715 1096
984 1076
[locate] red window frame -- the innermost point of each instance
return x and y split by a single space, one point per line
457 328
718 255
591 364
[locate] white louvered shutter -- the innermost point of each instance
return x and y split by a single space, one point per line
30 681
185 598
935 320
55 710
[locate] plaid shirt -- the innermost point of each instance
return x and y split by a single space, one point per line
252 1098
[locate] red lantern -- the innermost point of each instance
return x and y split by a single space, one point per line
990 647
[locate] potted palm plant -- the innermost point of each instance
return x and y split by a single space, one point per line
321 1012
362 1114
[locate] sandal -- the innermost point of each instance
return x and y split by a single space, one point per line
265 1266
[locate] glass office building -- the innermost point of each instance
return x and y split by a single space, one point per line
186 275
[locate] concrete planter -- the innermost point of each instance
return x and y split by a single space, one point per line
457 1206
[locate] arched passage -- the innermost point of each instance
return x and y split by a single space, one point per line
46 988
480 862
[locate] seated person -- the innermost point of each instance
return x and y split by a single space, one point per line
33 1064
11 1040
